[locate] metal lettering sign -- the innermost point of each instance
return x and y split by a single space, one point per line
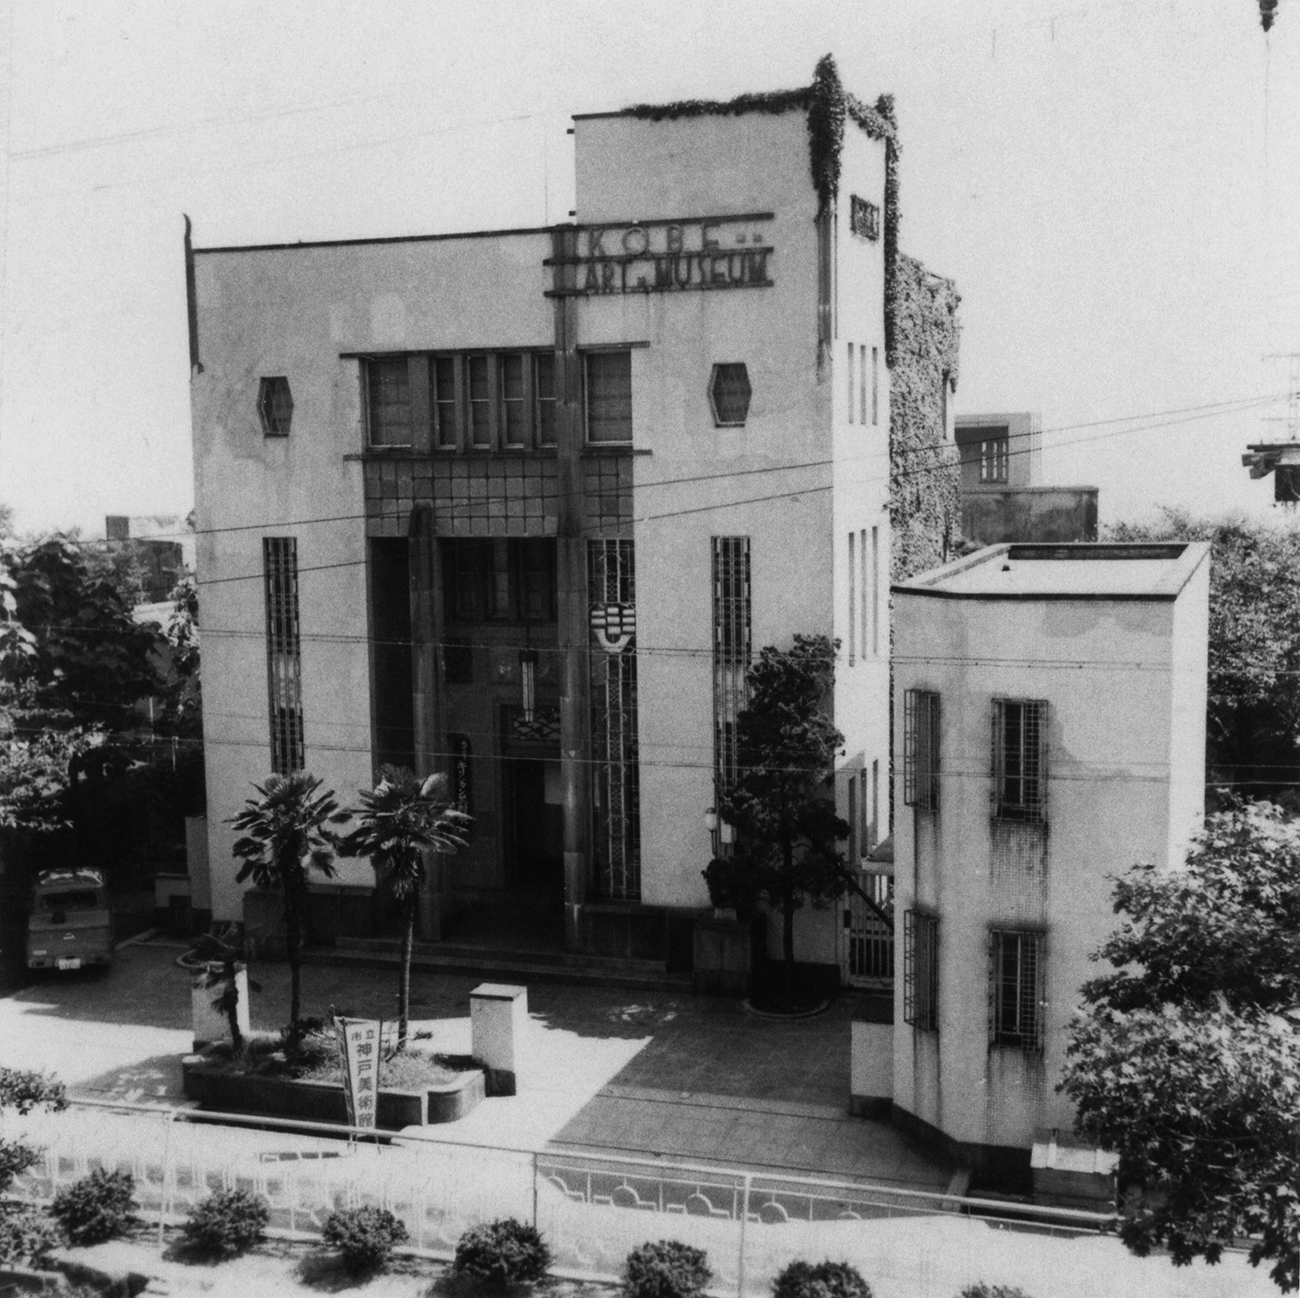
460 771
672 256
360 1043
613 625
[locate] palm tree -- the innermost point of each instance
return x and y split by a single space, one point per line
286 834
397 821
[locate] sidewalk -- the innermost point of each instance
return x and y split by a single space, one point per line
677 1077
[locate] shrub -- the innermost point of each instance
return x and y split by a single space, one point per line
666 1269
225 1223
95 1208
26 1235
365 1236
824 1280
501 1253
25 1091
982 1289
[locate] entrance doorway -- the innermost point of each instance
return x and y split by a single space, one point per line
535 829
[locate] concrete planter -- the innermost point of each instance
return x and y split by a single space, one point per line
282 1097
210 1024
727 952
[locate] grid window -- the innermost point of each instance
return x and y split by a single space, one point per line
1016 989
729 394
994 453
544 390
275 406
1020 759
500 580
442 377
921 749
514 400
609 396
732 647
921 970
480 403
389 383
283 653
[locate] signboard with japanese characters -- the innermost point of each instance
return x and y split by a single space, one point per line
360 1044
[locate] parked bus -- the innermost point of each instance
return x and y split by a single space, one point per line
71 921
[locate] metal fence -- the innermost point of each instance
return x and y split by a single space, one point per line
593 1209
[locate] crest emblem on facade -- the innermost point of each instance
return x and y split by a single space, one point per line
613 625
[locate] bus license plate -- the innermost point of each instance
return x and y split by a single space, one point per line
69 962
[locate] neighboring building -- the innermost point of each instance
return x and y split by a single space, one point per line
1002 497
1050 731
159 546
522 505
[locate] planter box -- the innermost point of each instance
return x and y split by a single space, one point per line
282 1097
727 952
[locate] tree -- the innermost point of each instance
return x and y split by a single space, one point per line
1185 1059
285 835
398 820
1253 714
780 801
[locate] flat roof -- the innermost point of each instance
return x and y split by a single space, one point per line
1116 571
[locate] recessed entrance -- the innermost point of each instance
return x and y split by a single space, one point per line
535 830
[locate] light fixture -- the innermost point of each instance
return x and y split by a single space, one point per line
528 679
728 832
711 820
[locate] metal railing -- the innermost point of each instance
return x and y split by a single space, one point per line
592 1208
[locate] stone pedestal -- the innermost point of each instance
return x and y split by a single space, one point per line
210 1024
498 1021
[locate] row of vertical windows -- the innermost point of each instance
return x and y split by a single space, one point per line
864 810
864 593
1017 984
499 580
858 385
283 653
490 401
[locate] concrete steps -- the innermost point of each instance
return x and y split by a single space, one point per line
506 965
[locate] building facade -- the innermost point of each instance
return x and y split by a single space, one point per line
521 506
1050 732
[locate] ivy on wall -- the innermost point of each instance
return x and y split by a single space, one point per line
924 497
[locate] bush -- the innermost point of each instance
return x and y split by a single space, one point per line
667 1269
26 1235
982 1289
365 1236
95 1208
26 1091
501 1253
226 1223
824 1280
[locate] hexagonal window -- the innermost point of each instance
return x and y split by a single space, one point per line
275 406
729 394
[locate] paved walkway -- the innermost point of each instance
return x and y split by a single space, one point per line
678 1077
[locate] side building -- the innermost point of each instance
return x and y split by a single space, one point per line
1050 731
522 505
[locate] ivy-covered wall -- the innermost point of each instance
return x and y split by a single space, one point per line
924 500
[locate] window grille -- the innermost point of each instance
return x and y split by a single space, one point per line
283 653
1016 989
921 970
729 394
616 781
921 749
1020 759
275 406
732 648
609 396
389 404
994 454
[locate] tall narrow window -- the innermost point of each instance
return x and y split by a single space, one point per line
480 403
853 607
1016 988
864 835
514 400
921 970
609 396
856 841
873 829
283 653
864 584
389 401
921 749
1020 759
732 646
875 590
850 382
442 381
875 386
862 384
544 394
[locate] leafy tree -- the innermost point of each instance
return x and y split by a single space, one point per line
22 1091
1186 1058
285 834
1253 716
398 821
780 801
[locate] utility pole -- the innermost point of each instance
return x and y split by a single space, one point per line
1281 458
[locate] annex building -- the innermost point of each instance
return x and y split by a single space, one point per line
522 505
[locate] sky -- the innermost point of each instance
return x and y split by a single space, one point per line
1111 184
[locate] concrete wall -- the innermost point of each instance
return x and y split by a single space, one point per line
1124 692
1044 514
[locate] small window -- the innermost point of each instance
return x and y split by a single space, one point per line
993 458
729 394
389 405
921 970
921 749
544 395
1016 989
609 396
275 406
1020 759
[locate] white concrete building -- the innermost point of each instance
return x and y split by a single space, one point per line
1050 732
521 505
